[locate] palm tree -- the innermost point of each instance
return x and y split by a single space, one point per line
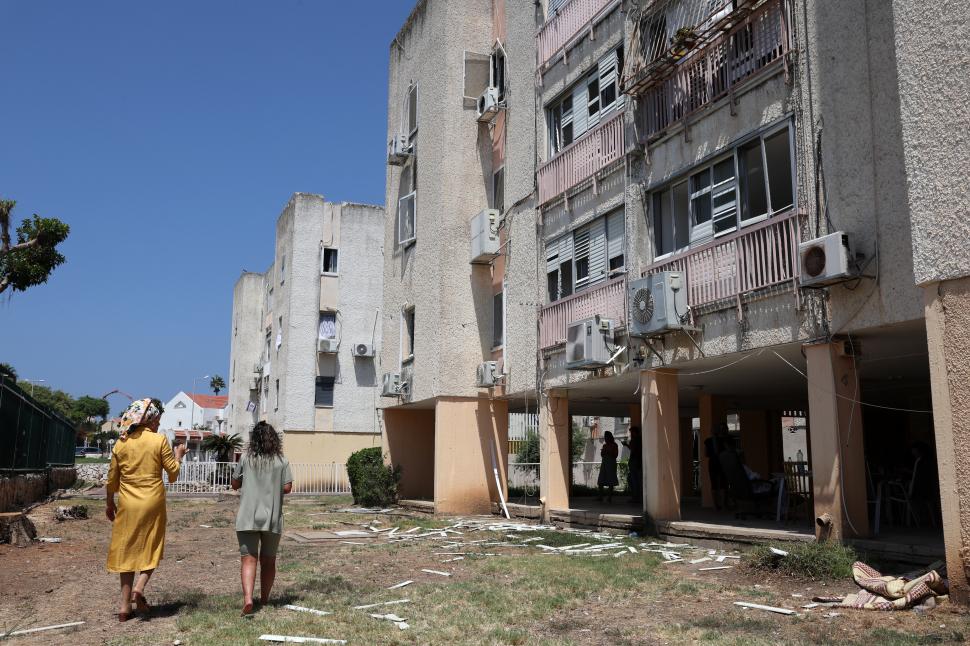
224 446
6 370
217 384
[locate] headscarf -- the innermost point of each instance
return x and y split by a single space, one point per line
141 411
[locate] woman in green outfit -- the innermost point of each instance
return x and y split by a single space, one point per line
264 476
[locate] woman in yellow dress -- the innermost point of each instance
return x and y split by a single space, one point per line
138 522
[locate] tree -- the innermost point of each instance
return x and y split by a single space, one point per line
217 384
89 413
6 370
224 446
34 256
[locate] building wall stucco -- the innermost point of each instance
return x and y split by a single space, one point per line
245 350
326 447
408 442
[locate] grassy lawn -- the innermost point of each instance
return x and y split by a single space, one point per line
92 460
521 595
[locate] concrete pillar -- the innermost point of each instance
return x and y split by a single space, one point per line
712 411
468 432
661 445
838 459
947 307
555 463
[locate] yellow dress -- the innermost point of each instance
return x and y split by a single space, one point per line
138 531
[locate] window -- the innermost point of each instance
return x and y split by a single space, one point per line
265 397
324 392
498 320
282 268
754 181
585 257
407 334
279 334
327 328
411 111
277 395
179 405
586 104
405 219
498 71
498 190
329 261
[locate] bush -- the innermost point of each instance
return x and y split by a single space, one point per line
827 560
372 483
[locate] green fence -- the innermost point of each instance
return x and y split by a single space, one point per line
32 437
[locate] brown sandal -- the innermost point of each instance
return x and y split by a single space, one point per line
247 610
124 616
138 599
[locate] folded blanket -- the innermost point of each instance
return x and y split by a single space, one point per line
894 593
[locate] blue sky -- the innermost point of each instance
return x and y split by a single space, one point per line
169 135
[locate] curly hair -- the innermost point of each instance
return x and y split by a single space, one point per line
264 442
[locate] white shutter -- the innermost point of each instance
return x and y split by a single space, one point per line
614 235
580 110
556 5
558 251
581 252
597 251
608 76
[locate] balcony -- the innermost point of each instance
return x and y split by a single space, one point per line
559 32
702 66
721 272
582 159
607 300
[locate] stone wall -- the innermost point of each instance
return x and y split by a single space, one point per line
19 491
96 474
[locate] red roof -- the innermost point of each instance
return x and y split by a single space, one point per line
209 401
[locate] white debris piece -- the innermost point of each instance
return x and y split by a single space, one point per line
382 603
300 640
778 552
49 539
809 606
700 560
456 558
400 585
720 567
389 617
28 631
352 533
758 606
437 572
632 549
312 611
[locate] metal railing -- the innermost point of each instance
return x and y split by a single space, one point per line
525 475
756 257
561 29
32 436
607 300
582 159
215 477
712 71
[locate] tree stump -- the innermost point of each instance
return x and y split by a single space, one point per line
16 529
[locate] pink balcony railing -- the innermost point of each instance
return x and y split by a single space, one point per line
759 256
563 27
582 159
607 300
712 71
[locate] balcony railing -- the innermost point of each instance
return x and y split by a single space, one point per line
582 159
714 70
607 300
759 256
561 29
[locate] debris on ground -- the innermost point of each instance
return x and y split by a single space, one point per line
49 539
16 529
74 512
400 585
29 631
894 593
382 603
300 640
312 611
758 606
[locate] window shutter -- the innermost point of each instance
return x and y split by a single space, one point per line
608 76
597 251
614 235
556 5
581 245
558 251
580 110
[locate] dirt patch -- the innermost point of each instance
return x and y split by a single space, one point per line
519 597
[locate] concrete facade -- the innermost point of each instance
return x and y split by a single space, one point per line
325 281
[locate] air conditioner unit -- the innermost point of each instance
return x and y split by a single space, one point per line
484 231
657 303
487 375
328 346
398 150
825 260
363 350
488 105
588 343
392 385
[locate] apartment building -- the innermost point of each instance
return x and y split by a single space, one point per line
460 267
305 332
749 227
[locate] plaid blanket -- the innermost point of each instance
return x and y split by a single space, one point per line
894 593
